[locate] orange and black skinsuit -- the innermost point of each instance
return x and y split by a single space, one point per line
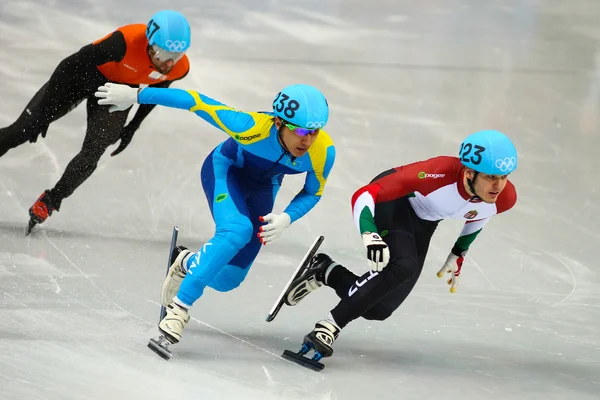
121 57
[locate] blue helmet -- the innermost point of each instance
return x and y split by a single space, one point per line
170 31
489 152
303 106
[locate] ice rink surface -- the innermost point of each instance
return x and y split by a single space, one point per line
406 81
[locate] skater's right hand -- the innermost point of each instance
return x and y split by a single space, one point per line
378 253
120 96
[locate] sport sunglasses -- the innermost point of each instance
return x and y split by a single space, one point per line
299 130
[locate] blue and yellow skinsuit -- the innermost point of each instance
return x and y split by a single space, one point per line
241 178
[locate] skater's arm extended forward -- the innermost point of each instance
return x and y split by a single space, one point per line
471 229
231 121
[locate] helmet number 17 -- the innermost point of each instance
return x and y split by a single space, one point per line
151 28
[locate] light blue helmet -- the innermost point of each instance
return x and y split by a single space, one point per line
170 31
303 106
489 152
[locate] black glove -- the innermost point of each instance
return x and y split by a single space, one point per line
35 130
126 136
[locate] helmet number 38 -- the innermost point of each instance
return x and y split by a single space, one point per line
465 151
281 104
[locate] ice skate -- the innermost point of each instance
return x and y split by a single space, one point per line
170 328
299 272
174 322
311 280
40 210
175 275
320 340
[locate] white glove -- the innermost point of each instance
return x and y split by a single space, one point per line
377 251
276 223
452 266
122 96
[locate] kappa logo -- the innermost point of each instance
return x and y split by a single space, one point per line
353 289
471 214
423 175
196 258
247 138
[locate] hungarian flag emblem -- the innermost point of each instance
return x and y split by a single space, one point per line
471 214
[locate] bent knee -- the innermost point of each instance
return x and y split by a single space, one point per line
228 279
378 313
403 269
238 231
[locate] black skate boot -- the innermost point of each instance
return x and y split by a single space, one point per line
311 280
320 340
41 210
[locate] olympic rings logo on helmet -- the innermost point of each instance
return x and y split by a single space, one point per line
507 164
175 46
315 124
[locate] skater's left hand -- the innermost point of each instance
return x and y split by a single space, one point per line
120 96
276 223
452 266
126 136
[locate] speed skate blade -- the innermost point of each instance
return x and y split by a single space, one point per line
163 310
302 360
299 271
160 347
30 226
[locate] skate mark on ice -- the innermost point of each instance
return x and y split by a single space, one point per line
489 281
58 289
53 159
572 277
91 281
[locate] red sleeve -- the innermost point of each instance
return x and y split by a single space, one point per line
507 199
423 177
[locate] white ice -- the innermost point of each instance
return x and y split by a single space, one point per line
406 81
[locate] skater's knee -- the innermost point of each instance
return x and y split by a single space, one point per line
237 231
378 313
229 278
403 269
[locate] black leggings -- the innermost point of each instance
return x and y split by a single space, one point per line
376 295
103 130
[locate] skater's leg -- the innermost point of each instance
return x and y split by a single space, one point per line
233 231
408 240
103 130
40 112
260 200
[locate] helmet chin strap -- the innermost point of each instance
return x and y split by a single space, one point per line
471 182
285 148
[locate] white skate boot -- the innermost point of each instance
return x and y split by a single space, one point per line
311 280
175 275
321 338
174 322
